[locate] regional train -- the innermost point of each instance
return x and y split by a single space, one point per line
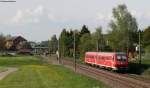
114 60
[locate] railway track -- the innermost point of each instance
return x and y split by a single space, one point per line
114 79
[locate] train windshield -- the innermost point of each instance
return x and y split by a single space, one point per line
121 58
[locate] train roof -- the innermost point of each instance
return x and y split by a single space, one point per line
105 53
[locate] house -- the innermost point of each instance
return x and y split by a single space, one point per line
32 44
15 43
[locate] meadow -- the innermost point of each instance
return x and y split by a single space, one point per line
2 69
36 73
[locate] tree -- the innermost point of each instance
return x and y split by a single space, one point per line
44 43
62 40
2 42
53 44
124 30
77 36
146 36
70 43
86 44
84 30
146 40
98 39
66 42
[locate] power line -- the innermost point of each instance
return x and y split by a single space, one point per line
139 46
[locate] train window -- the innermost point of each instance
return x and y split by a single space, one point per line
124 58
121 58
89 56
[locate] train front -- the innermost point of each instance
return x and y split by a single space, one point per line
121 62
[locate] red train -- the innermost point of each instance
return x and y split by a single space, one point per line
114 60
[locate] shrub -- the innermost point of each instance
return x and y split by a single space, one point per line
147 49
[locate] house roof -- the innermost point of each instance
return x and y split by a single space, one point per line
14 38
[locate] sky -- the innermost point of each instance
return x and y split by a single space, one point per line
38 20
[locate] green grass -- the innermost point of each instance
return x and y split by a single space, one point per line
19 61
2 69
34 73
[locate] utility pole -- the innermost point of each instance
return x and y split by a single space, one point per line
49 48
97 42
74 51
59 50
139 46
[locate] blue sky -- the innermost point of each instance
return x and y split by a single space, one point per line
38 20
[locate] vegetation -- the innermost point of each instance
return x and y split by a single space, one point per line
34 73
53 44
98 39
2 69
123 34
2 42
86 44
146 40
85 41
66 42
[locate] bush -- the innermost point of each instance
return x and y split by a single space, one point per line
147 49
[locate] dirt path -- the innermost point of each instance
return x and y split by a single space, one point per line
52 60
4 74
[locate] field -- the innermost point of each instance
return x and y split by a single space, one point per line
2 69
35 73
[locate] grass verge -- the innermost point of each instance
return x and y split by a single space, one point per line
2 69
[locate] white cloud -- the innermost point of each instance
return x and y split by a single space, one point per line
51 17
103 17
36 20
146 15
39 10
18 17
136 14
133 13
100 17
29 15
